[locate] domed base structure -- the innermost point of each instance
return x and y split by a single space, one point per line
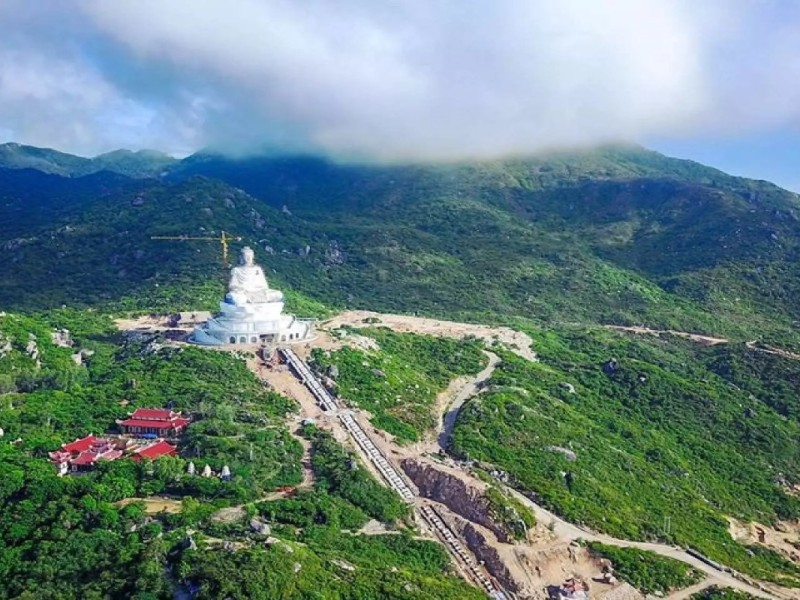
252 313
250 324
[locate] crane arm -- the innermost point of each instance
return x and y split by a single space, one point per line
182 237
223 239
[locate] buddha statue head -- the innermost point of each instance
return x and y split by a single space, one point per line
247 257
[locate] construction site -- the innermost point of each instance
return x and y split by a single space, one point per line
552 562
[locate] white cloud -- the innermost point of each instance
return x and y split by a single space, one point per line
434 80
53 101
398 81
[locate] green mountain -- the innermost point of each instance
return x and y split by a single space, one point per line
142 163
139 163
615 235
664 442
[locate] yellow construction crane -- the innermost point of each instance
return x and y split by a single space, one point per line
224 239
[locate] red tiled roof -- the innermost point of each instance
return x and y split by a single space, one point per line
81 445
58 456
157 414
84 458
133 422
153 451
110 455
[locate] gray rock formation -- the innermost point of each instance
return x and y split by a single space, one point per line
485 553
451 491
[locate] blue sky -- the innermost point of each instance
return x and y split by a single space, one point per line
773 155
717 81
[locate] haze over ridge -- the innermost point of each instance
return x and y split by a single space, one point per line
398 82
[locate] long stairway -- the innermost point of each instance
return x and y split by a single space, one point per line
390 474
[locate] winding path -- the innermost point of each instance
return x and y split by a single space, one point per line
693 589
469 389
695 337
772 350
706 340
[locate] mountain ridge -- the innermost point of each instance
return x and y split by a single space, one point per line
138 164
618 235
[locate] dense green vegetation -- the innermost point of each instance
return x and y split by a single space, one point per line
342 568
717 593
62 538
614 235
667 444
646 571
237 422
399 382
69 538
665 447
339 472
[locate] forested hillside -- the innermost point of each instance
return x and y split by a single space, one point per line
647 438
86 536
617 235
654 438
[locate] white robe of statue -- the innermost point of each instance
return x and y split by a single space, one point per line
248 284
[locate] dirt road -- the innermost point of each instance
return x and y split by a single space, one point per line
772 350
695 337
706 340
570 531
516 341
693 589
467 390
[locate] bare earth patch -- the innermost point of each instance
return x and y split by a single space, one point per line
516 341
783 538
155 505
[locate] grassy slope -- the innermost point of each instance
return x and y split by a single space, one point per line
398 384
665 436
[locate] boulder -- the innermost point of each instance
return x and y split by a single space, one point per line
566 452
611 367
260 526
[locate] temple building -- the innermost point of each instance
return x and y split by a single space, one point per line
84 454
155 450
157 422
252 312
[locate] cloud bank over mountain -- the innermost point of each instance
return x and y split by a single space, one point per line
392 81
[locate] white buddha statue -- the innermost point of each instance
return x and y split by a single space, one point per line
248 285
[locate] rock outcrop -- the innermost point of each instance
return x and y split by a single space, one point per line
455 494
488 555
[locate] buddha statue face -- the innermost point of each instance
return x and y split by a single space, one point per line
247 256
